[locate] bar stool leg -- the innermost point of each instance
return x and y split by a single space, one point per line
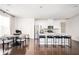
53 42
20 43
65 42
56 42
70 42
3 46
45 41
61 42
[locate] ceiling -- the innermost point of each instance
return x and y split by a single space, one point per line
55 11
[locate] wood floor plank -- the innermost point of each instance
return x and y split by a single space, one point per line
34 49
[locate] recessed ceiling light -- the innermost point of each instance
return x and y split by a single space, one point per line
67 18
7 10
75 5
41 6
8 4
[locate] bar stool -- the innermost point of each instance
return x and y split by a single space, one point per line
42 40
59 40
69 42
66 40
55 38
63 38
50 40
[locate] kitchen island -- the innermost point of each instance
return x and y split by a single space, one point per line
55 39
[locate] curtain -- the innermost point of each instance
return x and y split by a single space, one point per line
4 25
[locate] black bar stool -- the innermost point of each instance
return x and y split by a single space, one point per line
57 40
63 38
50 38
42 37
69 41
66 40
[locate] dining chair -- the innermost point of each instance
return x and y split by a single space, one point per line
4 41
22 40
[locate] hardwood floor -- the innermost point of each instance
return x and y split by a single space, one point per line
33 49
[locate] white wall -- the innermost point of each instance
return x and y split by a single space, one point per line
72 28
26 25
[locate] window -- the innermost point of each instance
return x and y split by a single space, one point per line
4 25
